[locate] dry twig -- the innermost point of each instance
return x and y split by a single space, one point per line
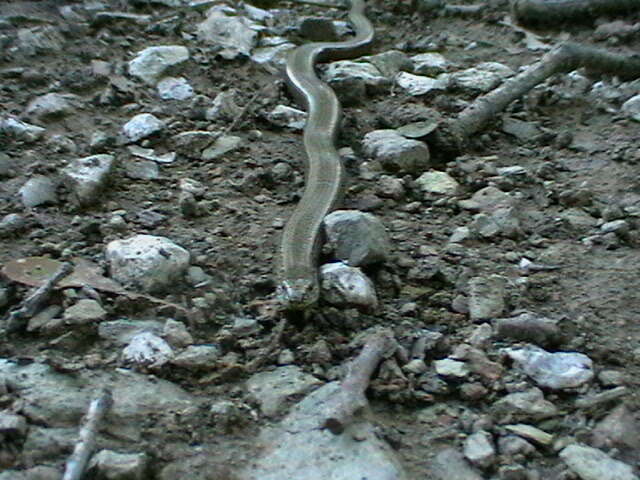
34 302
87 436
351 399
566 57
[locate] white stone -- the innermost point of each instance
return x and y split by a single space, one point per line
557 371
344 285
12 127
147 349
416 85
233 34
593 464
153 62
395 152
632 108
437 182
38 190
197 356
142 126
148 262
429 64
481 78
448 367
87 176
171 88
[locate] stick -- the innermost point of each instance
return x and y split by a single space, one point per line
34 302
351 399
566 57
87 436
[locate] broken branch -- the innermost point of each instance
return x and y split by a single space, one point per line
351 399
34 302
77 463
566 57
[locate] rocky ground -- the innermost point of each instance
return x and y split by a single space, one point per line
152 148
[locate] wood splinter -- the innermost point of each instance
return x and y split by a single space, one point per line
77 462
351 399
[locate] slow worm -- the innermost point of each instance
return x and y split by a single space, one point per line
324 181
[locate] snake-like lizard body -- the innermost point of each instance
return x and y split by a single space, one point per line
297 270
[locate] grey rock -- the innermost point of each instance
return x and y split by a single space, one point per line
147 262
147 349
390 62
510 445
297 448
417 85
481 78
171 88
619 429
121 332
593 464
38 40
440 183
353 80
243 327
233 35
318 29
529 327
196 275
501 221
39 190
486 199
153 62
620 227
176 333
85 311
479 449
284 116
46 444
224 107
430 64
523 131
449 464
46 319
12 224
192 144
529 405
273 53
142 126
448 367
198 357
142 170
459 235
611 378
390 187
487 297
395 152
35 473
112 465
12 425
557 371
222 145
19 130
357 238
51 106
60 400
631 108
272 389
345 285
86 177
